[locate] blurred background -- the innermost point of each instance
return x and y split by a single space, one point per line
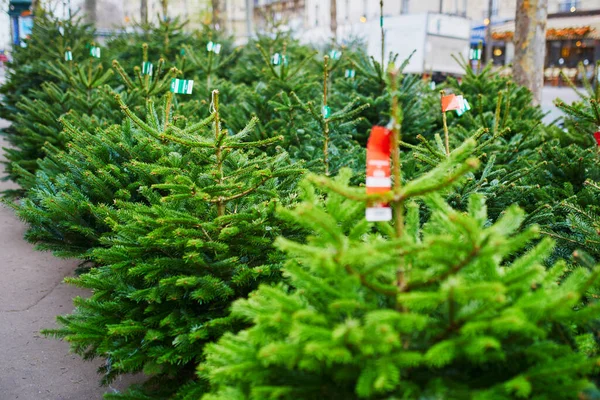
435 29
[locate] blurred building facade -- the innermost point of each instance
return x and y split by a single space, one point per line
573 25
119 14
317 12
572 38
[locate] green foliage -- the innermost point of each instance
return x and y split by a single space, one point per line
86 164
443 311
175 260
49 40
62 206
369 86
79 95
164 40
173 208
497 103
583 116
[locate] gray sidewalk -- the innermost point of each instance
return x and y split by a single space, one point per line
32 294
549 94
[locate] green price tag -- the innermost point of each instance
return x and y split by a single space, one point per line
182 86
147 68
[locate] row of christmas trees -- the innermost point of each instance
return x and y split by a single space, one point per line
212 194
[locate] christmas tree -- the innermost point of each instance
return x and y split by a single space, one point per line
174 261
497 103
169 200
79 95
325 141
86 165
447 307
362 77
51 39
583 116
165 40
61 207
572 172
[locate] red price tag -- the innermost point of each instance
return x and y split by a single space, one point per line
378 172
451 102
597 137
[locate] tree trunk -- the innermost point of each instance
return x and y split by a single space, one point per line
530 45
216 14
90 11
144 11
333 15
488 33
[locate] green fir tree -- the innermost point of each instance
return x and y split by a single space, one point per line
173 263
49 41
449 307
583 116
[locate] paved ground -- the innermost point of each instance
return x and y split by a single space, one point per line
549 94
33 367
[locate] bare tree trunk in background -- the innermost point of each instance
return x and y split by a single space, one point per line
530 45
216 13
90 11
144 11
488 33
165 7
333 16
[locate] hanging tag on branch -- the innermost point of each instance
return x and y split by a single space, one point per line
95 51
350 73
214 47
464 106
475 54
182 86
597 136
276 59
147 68
335 54
450 102
182 52
378 173
457 103
326 111
68 56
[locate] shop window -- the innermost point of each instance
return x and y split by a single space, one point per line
568 5
499 55
569 53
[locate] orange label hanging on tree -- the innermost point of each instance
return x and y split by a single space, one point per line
450 102
378 172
